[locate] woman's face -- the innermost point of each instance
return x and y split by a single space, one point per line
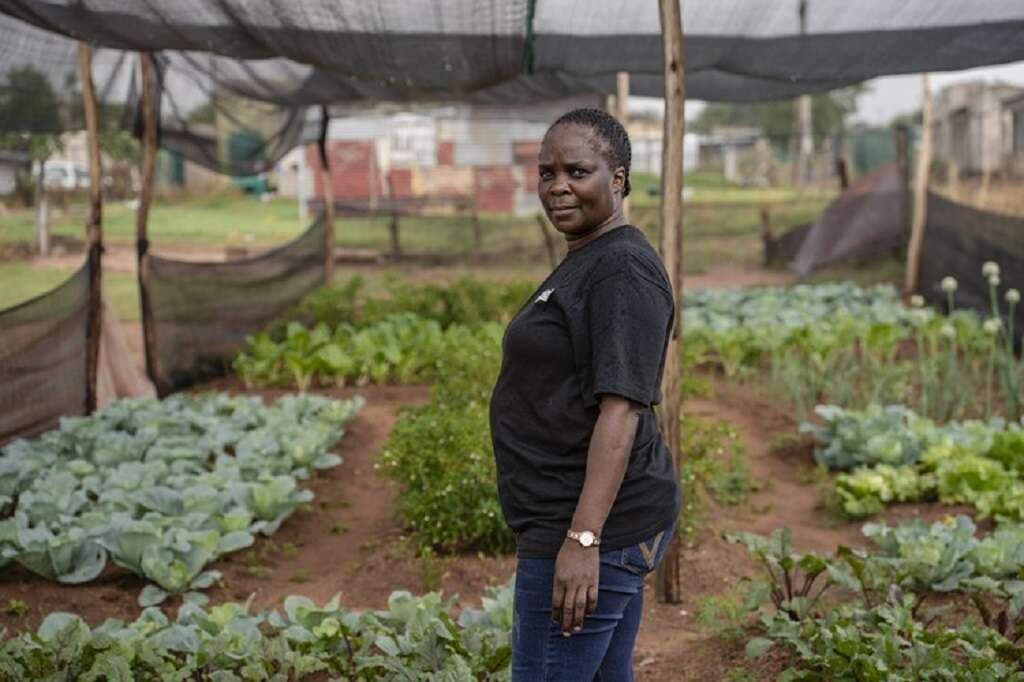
580 192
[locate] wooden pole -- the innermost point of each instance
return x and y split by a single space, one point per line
667 580
393 225
549 243
93 229
622 113
902 136
149 148
924 161
327 182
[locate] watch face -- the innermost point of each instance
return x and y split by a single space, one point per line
586 538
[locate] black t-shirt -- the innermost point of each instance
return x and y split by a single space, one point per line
599 324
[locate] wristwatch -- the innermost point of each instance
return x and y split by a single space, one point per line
586 538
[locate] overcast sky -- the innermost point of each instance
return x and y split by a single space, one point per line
900 94
886 97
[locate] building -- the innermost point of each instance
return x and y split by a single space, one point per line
10 164
741 154
450 158
977 126
1014 106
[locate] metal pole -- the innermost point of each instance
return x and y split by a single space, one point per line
327 182
667 580
149 148
94 230
924 160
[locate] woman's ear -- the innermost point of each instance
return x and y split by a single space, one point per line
619 179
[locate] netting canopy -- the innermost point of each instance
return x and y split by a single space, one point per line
255 66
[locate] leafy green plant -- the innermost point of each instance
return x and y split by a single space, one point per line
715 462
877 630
415 638
163 488
441 454
16 608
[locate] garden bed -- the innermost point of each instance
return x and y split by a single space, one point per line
351 541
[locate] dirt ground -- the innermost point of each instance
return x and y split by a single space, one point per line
351 541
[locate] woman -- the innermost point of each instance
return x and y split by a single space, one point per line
585 480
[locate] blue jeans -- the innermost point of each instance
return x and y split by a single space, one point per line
603 650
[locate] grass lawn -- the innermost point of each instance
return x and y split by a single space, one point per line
722 226
20 282
219 219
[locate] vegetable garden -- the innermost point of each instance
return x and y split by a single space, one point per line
205 536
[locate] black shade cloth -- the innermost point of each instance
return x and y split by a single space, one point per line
202 312
251 69
43 358
864 222
958 240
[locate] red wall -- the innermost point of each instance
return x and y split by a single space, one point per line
354 169
496 189
446 153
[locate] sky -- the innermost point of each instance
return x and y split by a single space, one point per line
886 97
901 94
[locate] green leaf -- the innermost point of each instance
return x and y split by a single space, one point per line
758 647
152 595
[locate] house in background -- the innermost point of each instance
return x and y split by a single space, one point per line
977 124
448 158
1014 106
741 154
10 164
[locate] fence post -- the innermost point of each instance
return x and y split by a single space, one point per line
94 230
622 113
327 182
667 579
149 147
924 160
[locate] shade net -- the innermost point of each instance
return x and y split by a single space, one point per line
867 220
958 240
202 312
239 77
43 358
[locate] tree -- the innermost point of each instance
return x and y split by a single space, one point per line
30 122
829 111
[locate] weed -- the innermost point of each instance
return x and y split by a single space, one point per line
300 576
726 615
261 572
15 608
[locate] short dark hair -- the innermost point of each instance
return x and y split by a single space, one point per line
616 148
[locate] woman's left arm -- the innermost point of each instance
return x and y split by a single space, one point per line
576 568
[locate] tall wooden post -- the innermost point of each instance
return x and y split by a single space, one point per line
924 161
803 142
902 139
667 579
622 113
327 182
94 230
149 147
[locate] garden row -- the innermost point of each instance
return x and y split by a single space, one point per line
162 488
859 615
415 639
